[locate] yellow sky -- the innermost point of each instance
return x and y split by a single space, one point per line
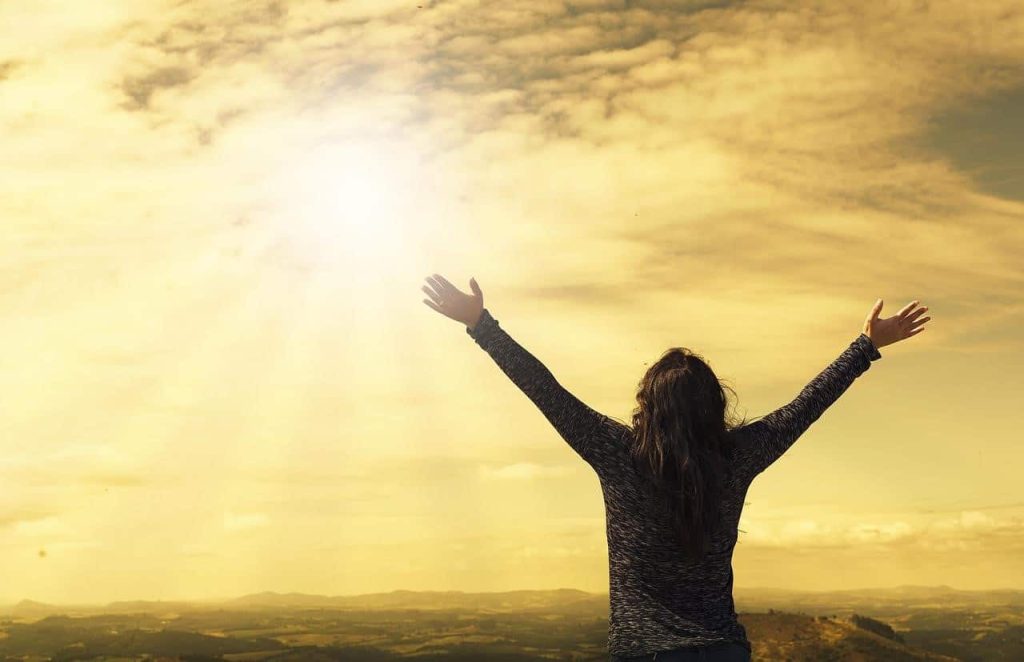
218 376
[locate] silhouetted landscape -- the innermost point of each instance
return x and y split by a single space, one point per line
903 623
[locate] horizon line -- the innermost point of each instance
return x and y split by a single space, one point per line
9 603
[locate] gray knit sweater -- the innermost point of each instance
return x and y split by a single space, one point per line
658 600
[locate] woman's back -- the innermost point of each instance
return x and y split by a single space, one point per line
658 599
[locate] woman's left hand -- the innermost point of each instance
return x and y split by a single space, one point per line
451 302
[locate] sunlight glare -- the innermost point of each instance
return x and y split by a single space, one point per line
350 203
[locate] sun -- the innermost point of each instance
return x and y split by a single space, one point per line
350 202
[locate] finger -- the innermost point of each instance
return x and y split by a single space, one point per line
438 285
433 306
430 293
877 308
918 323
445 283
916 331
917 313
475 287
905 309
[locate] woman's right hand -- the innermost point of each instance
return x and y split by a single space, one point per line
902 325
452 302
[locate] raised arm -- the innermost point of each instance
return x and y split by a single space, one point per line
765 440
572 419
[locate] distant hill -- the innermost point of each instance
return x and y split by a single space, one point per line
33 609
519 601
565 600
760 599
803 638
573 600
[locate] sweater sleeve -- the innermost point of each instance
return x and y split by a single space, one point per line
574 421
767 438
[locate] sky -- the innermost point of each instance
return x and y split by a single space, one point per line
218 377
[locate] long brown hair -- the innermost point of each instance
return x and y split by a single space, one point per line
680 442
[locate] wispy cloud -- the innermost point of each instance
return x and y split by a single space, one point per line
525 471
85 464
967 530
245 521
20 515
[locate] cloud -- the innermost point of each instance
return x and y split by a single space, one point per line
525 471
46 527
55 547
969 529
139 90
197 550
75 464
983 140
23 515
245 521
622 58
8 67
554 551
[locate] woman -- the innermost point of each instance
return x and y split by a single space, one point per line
674 481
